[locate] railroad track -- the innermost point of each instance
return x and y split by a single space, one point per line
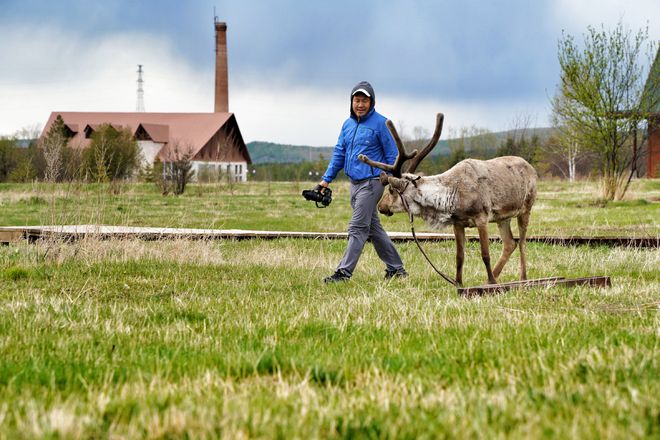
10 234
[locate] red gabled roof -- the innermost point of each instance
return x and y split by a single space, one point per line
191 131
157 132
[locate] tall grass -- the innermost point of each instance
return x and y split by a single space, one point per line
241 339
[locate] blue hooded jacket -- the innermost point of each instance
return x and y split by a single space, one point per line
369 136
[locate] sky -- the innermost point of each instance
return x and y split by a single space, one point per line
292 63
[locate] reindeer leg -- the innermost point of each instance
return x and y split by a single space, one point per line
459 234
482 227
523 222
509 245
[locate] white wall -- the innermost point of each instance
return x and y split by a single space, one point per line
236 170
149 151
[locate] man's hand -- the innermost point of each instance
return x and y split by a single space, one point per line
322 185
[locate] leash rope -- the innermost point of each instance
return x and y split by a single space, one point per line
447 278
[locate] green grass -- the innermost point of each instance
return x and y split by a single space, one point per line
561 209
241 339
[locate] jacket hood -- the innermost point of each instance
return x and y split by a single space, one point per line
366 86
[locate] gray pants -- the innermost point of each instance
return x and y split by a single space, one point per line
364 225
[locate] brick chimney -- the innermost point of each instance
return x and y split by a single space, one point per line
221 71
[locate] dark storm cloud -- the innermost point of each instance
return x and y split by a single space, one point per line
470 50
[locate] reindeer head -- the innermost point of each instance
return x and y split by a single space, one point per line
401 185
404 187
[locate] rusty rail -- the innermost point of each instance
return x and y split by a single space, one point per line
76 232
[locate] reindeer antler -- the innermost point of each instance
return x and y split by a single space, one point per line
403 156
439 119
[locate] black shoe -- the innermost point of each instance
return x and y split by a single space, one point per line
340 275
396 273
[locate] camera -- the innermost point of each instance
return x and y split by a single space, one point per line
317 196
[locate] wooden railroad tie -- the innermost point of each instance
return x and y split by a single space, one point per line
491 289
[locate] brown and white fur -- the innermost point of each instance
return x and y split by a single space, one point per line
471 194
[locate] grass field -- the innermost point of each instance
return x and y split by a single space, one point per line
241 339
561 208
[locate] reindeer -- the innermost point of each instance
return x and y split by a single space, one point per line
470 194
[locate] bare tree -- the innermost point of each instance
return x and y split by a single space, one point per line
52 146
564 151
29 132
53 156
562 155
177 169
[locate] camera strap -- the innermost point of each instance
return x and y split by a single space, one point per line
447 278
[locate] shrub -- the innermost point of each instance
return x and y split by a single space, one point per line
112 155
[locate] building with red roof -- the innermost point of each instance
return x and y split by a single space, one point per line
212 141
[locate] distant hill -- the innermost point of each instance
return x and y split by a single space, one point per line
269 152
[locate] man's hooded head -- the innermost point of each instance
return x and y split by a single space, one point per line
364 88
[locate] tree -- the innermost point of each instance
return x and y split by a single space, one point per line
156 174
521 146
24 171
598 100
72 163
564 148
177 171
565 155
182 173
112 155
52 145
8 158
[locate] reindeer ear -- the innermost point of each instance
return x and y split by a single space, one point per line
396 183
383 178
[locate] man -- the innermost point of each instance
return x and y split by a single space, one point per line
364 132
